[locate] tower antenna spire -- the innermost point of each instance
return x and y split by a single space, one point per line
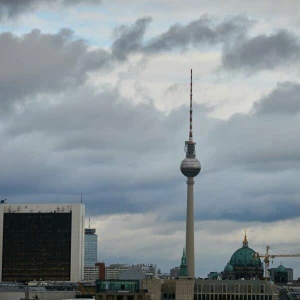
191 109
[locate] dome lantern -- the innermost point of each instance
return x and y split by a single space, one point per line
245 241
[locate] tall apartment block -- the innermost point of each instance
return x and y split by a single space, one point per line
41 242
91 272
90 244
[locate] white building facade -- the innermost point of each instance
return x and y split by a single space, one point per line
126 271
41 242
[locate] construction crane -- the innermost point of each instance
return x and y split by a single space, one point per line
267 257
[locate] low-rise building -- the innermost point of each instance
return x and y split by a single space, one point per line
91 273
95 272
235 289
187 289
120 290
211 275
174 272
114 271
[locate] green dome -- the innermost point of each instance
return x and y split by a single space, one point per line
228 268
245 257
280 269
216 275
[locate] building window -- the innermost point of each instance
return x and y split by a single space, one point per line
236 288
212 288
224 288
33 240
199 288
262 289
249 289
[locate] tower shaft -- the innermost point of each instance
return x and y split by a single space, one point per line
190 254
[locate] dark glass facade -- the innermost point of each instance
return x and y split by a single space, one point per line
131 286
36 246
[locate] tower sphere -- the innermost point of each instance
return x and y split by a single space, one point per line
190 167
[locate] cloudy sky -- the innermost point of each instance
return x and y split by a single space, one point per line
94 99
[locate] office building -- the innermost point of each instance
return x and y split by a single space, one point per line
90 254
91 273
95 272
90 247
114 271
101 266
41 242
174 272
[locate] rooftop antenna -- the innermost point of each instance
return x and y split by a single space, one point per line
89 222
81 198
190 145
191 109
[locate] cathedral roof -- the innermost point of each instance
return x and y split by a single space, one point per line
281 269
228 268
245 257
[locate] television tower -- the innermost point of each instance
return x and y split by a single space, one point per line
190 167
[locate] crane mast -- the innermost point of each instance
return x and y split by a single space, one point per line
267 257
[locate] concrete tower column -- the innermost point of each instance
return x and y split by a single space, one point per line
190 167
190 252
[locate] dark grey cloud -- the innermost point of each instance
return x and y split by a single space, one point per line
266 139
107 109
125 158
70 138
86 137
41 63
284 99
199 33
128 39
276 211
262 52
204 31
13 8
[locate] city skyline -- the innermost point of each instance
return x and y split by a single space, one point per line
95 101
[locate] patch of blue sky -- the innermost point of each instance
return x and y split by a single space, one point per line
45 21
88 24
92 25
